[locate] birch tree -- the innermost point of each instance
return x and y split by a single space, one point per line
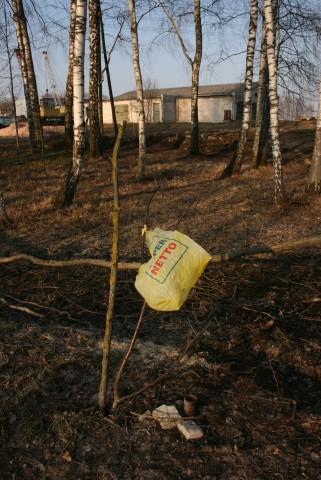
94 79
195 64
262 120
237 160
315 171
78 103
274 101
5 37
28 76
139 89
69 83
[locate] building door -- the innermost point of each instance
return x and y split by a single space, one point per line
121 113
156 112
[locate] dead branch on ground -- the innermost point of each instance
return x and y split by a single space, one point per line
20 309
292 245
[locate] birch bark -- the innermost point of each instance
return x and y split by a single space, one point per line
315 171
262 121
28 75
196 65
94 79
69 84
247 101
274 101
78 103
6 40
139 89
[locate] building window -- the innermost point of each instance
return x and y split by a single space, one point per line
227 115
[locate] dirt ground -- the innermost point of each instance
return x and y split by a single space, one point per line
250 330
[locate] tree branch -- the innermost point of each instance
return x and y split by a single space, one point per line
292 245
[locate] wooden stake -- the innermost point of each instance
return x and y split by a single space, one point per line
102 395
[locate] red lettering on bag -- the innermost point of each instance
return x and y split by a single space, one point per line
158 264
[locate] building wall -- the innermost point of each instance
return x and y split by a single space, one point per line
171 109
183 109
127 110
210 109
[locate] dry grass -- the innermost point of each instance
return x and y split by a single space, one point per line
255 368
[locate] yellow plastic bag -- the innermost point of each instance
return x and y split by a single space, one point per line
177 263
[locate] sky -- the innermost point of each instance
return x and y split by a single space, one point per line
161 61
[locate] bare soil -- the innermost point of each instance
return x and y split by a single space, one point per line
250 328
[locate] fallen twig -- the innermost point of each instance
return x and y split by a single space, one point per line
21 309
94 262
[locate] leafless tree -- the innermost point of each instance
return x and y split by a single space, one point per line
315 172
274 100
78 103
299 30
119 18
69 83
293 107
28 75
236 162
139 89
169 9
262 119
4 34
94 79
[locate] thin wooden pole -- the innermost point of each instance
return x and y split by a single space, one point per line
102 395
126 357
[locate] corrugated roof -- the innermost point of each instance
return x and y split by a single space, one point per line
204 90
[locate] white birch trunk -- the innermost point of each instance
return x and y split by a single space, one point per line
196 65
315 171
247 100
262 121
6 41
139 89
28 76
274 102
69 83
78 102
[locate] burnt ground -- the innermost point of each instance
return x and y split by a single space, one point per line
250 330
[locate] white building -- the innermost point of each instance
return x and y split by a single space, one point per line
216 103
